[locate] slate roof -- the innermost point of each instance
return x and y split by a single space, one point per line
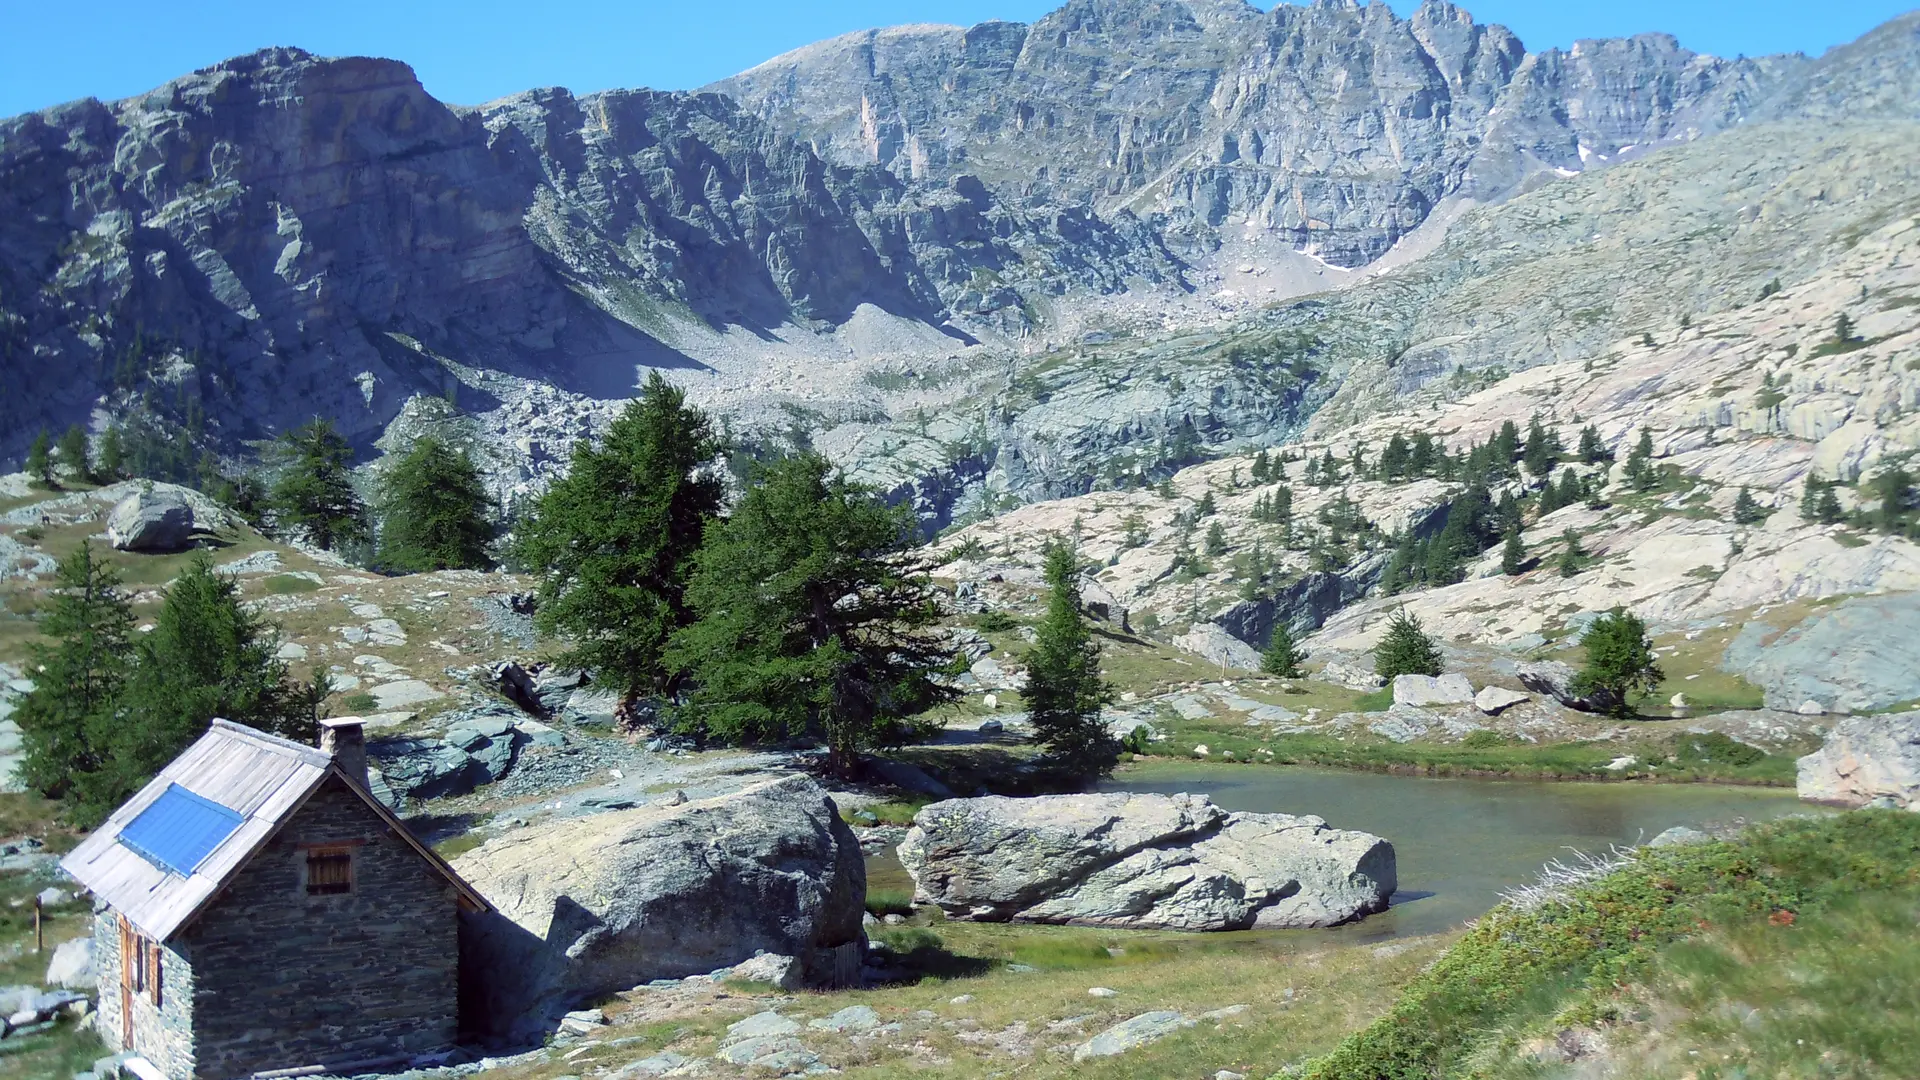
262 778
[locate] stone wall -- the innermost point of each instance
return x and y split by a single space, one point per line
162 1034
286 979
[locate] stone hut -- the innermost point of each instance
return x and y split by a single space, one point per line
257 910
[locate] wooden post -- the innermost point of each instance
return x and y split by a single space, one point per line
39 933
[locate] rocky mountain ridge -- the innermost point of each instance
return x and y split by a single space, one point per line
281 236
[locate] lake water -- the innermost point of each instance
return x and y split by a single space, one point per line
1458 843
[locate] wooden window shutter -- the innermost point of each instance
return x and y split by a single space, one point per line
153 972
129 957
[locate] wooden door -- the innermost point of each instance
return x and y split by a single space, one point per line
129 975
126 1016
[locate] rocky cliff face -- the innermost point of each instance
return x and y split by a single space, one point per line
281 235
1335 127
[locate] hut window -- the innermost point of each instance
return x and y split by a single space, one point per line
329 871
139 962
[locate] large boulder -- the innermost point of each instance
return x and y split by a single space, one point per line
1866 759
72 965
1212 643
156 519
1426 690
1142 861
593 905
1555 680
1860 655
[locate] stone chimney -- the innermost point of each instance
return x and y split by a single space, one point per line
345 740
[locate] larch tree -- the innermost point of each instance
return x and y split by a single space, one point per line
1065 691
813 616
613 541
433 511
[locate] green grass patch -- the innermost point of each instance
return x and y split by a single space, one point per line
899 812
1574 960
283 584
359 703
883 902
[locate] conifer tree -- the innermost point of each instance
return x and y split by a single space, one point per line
1262 470
1570 488
1282 657
40 460
1842 328
1826 509
1640 470
1747 510
1205 506
1405 649
1894 488
1421 455
1065 691
1549 499
206 656
1592 449
1620 662
113 454
314 491
433 511
1513 554
1542 452
1216 539
1810 498
1505 447
1572 556
77 674
813 616
614 540
73 453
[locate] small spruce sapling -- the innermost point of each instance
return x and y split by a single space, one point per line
1282 658
1405 649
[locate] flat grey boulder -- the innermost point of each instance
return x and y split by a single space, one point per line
1861 655
1142 861
593 905
1421 691
1211 642
1351 676
154 520
1494 700
1128 1034
1866 760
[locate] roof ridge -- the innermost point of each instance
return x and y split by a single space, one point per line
267 739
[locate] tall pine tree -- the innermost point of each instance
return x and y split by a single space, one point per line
1065 691
77 674
433 511
313 491
613 541
813 617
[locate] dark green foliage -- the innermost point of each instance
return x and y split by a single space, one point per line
1592 449
314 490
1216 539
113 454
77 676
1646 340
1543 448
1573 957
812 617
1620 661
614 540
1506 444
1571 491
1205 507
1640 471
1894 488
1065 692
1262 470
1422 457
1328 472
1573 558
207 656
1843 328
40 460
1818 503
1513 554
433 511
1405 649
1396 459
1747 510
1282 657
73 452
1771 287
1274 509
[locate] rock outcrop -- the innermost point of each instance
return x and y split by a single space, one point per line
1142 861
154 520
592 905
1866 760
1424 690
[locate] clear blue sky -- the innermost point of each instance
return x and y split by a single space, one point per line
471 51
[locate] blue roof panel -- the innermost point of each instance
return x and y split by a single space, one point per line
179 830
